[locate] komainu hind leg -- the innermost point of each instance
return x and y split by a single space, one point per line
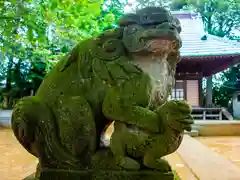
159 148
37 128
25 119
118 145
156 162
34 127
76 126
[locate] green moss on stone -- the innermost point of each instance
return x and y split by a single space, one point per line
176 177
99 81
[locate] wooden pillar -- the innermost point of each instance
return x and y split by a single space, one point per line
209 91
185 89
200 92
175 90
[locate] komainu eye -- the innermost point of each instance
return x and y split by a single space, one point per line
134 29
145 17
142 40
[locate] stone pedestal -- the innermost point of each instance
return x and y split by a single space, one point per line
56 174
103 168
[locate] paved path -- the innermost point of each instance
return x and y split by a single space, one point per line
193 158
205 163
227 146
15 162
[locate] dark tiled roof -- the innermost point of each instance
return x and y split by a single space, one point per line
192 31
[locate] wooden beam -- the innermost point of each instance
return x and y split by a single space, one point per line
188 76
207 65
220 66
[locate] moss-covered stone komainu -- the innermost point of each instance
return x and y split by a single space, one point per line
124 75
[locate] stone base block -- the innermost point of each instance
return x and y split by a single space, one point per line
56 174
103 167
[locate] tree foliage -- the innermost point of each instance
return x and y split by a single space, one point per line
178 4
170 4
34 34
222 93
146 3
219 16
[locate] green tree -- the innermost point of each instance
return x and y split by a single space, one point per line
222 93
219 16
178 4
34 34
170 4
146 3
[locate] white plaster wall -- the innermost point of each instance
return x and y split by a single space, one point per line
192 92
5 117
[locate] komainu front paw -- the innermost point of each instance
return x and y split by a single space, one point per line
176 106
185 123
176 114
129 163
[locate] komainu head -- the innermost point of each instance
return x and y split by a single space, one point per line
151 30
151 37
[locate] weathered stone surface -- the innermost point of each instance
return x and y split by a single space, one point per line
49 174
105 168
124 75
